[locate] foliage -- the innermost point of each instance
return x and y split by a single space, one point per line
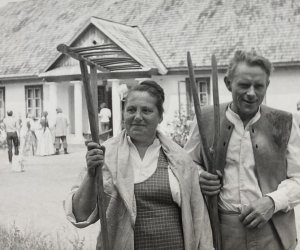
179 128
13 238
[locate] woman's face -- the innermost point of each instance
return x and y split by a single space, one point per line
141 117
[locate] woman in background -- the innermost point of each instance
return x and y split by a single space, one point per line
28 141
45 144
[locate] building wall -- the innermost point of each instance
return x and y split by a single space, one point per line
171 105
283 93
284 89
15 98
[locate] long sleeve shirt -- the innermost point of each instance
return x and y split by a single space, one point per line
240 185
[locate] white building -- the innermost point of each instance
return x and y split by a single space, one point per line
155 35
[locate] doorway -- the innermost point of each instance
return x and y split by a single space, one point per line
105 96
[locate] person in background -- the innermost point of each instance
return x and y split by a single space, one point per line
153 195
28 141
258 180
45 143
61 130
297 114
11 127
104 117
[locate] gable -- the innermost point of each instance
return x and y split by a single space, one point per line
89 37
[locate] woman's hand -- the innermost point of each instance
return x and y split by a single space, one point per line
210 183
94 157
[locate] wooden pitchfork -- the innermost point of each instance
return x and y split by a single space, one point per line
209 154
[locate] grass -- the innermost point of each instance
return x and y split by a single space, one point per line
13 238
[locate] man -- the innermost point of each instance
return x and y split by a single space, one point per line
258 154
61 126
11 128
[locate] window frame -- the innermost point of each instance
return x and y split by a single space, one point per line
41 98
189 101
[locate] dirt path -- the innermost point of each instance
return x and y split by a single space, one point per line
33 199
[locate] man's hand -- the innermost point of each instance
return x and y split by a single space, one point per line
210 183
258 213
94 157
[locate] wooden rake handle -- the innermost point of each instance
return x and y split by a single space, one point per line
209 155
93 116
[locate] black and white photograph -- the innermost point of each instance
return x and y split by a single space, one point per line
149 125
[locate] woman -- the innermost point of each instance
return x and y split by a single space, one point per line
45 143
28 141
153 195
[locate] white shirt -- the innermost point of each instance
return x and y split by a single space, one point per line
104 115
240 185
10 124
144 168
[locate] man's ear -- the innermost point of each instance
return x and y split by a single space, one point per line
227 83
268 82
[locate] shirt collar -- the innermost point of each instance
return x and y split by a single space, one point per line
236 120
155 143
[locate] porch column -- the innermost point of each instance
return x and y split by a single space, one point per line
116 107
52 102
78 138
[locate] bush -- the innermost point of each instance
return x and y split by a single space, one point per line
14 239
179 128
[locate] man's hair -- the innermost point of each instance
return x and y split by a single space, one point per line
251 58
9 113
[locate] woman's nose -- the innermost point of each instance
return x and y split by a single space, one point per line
138 115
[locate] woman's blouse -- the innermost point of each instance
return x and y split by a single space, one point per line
145 168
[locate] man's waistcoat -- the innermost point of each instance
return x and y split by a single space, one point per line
269 137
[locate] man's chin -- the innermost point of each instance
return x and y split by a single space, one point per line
250 112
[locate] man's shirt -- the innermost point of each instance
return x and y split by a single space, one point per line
240 185
10 124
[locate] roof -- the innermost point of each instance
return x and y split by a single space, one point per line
31 30
119 48
131 40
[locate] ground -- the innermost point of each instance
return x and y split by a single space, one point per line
33 199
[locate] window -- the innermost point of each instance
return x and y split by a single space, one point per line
203 87
2 103
34 100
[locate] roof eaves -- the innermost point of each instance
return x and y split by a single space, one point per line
18 77
286 64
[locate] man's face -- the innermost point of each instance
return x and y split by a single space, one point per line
248 87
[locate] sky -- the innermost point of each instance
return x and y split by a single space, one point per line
4 2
